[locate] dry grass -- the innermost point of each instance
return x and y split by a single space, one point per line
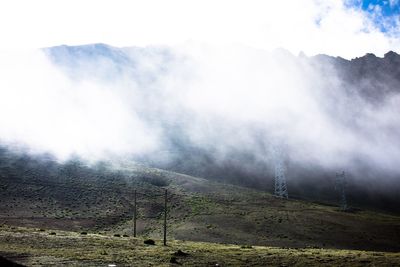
38 248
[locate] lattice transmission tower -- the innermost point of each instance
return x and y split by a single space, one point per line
340 187
280 179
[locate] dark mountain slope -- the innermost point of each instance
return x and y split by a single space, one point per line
44 194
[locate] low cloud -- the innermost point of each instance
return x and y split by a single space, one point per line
159 103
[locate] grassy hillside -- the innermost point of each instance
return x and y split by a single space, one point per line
38 248
44 194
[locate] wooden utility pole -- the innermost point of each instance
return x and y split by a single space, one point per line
165 219
134 214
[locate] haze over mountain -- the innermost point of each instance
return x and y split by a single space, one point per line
200 133
214 112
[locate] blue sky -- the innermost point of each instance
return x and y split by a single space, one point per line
388 8
385 13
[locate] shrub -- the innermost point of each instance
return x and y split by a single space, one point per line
180 253
149 242
157 181
173 260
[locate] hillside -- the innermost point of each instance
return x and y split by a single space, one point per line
42 193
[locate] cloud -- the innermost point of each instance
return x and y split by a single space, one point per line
42 108
393 3
313 26
166 104
223 90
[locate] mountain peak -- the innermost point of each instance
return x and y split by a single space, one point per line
391 55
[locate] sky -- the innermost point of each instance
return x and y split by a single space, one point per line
215 73
385 14
388 7
347 28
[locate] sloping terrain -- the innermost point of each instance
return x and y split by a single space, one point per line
44 194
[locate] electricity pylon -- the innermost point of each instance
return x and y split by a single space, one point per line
280 179
340 187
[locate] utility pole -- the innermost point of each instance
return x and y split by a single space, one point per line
280 179
165 218
134 214
340 187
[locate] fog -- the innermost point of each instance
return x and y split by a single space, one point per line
162 105
46 111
